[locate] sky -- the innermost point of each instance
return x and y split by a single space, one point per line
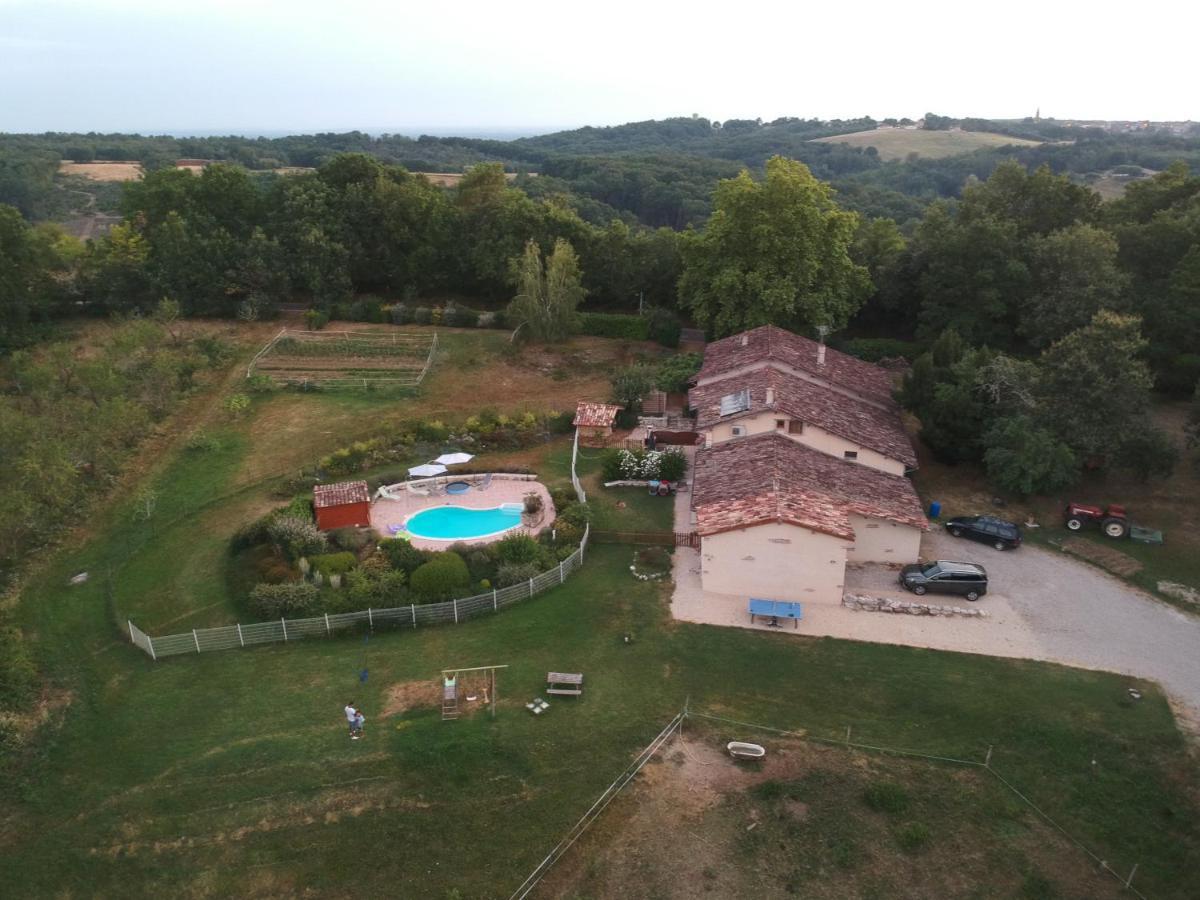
268 67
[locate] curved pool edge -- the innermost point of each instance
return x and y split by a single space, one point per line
456 538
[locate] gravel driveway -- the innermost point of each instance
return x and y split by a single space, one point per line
1045 605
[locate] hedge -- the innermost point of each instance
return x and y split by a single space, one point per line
615 325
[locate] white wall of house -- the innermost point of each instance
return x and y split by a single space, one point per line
775 562
878 540
810 435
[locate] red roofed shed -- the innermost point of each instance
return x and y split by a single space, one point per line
595 421
342 505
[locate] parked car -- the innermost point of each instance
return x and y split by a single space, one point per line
987 530
945 577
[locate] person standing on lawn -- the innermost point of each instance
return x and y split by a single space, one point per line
359 718
351 718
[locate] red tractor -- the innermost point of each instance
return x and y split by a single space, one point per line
1113 520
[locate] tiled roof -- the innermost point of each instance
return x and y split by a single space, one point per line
771 344
870 426
770 478
340 494
595 415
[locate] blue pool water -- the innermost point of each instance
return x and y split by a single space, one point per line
454 523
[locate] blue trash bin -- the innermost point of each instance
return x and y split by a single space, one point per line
935 509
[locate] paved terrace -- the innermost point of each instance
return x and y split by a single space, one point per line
503 489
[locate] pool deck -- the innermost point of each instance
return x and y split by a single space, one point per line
385 513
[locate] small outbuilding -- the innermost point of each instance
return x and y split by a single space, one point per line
343 505
594 422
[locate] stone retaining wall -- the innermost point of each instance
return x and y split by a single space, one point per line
885 604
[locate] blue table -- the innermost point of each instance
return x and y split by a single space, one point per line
776 609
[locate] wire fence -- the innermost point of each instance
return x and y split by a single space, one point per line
228 637
675 727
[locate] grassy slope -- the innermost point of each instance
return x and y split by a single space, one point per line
230 772
899 143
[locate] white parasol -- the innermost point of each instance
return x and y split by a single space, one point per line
428 470
454 459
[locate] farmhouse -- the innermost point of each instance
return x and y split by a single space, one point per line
594 422
802 470
342 505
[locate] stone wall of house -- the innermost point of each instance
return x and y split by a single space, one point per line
886 604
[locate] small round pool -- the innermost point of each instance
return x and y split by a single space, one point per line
458 487
457 523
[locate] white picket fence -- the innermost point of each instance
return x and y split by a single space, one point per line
226 637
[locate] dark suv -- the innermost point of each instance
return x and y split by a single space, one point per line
1000 534
945 577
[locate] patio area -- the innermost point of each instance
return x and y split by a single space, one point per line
389 513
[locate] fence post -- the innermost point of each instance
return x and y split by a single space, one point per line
150 642
196 639
530 587
1132 872
494 607
414 614
987 762
455 602
327 631
561 576
241 639
370 619
284 621
847 734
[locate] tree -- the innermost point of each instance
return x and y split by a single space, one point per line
629 386
1094 387
547 297
33 274
1025 458
774 252
1075 275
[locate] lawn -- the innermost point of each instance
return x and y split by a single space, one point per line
899 143
230 773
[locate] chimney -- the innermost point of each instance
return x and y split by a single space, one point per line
820 354
770 396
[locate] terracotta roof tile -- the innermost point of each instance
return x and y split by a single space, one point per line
595 415
771 344
865 424
340 494
770 478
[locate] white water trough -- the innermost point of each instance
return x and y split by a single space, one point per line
743 750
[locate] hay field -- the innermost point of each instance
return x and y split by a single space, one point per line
102 171
898 143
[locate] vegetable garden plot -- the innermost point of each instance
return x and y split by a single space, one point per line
345 358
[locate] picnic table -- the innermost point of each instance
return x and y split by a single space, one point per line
555 682
776 610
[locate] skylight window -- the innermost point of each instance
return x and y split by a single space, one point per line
735 403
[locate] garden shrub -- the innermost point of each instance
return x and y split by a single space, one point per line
402 555
875 349
516 549
652 559
560 423
366 588
676 371
200 441
294 598
663 326
353 539
295 537
461 317
422 315
333 563
515 573
315 319
672 464
433 431
610 465
442 578
401 314
650 464
615 325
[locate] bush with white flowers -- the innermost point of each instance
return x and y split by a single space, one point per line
639 465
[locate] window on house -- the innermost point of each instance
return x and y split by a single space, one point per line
735 403
850 454
795 427
781 424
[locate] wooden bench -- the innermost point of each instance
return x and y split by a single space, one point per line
564 678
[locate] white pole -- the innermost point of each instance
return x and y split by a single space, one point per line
455 602
561 576
196 639
530 587
370 619
240 638
327 631
494 599
414 614
150 641
284 621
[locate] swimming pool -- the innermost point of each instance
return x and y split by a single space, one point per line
457 523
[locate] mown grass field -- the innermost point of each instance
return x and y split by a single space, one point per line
898 143
231 773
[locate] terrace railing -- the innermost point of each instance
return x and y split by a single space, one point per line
227 637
